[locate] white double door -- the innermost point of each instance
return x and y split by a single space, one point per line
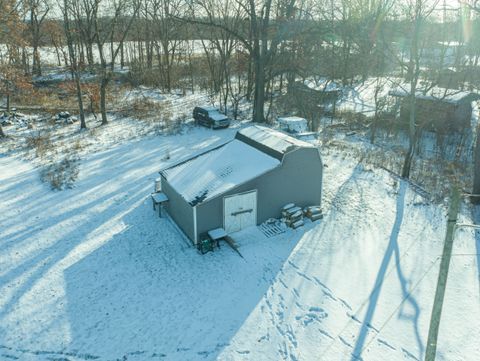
240 211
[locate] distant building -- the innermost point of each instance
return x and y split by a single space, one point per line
314 95
437 109
243 182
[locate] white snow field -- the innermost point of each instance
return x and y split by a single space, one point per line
93 273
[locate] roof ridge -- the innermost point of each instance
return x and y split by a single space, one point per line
192 157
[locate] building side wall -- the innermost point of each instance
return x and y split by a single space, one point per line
437 115
179 209
463 115
298 179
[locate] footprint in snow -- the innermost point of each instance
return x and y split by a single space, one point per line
243 352
385 343
7 356
345 304
329 295
133 353
283 283
353 317
325 333
160 355
291 337
410 355
314 314
204 353
369 325
345 342
301 274
264 338
293 265
320 283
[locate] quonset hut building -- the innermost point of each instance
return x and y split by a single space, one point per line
243 182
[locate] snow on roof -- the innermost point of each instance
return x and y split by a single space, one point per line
293 124
209 108
292 119
451 96
215 115
277 141
218 171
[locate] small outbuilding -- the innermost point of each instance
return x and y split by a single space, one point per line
437 109
242 183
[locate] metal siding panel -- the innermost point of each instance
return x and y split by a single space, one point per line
298 180
180 211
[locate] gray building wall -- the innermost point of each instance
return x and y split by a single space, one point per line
438 115
463 115
179 209
298 179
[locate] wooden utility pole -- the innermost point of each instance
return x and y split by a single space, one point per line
476 169
442 277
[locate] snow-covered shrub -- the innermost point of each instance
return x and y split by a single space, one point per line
41 142
173 125
63 174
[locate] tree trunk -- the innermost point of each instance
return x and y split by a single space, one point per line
122 56
2 134
259 94
373 130
259 86
407 164
36 66
8 102
414 70
83 124
74 65
476 170
89 50
103 95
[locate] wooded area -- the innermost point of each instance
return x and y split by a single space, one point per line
241 49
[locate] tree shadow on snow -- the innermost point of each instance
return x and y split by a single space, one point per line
392 250
57 229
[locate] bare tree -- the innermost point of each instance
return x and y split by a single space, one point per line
67 8
166 30
12 77
259 37
38 10
417 12
105 32
83 12
220 45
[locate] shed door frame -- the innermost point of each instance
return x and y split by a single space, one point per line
255 206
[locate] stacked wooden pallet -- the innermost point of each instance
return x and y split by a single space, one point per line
292 215
313 213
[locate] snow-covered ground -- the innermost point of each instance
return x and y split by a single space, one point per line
93 273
